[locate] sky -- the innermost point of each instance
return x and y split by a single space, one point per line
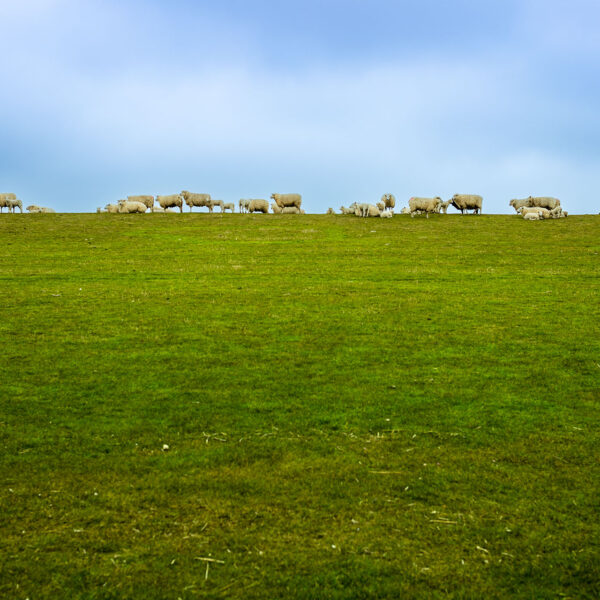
339 100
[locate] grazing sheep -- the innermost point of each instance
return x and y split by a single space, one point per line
229 206
386 214
518 203
212 203
330 211
258 205
170 201
284 200
424 205
544 213
112 208
347 211
532 216
464 202
290 210
148 201
544 202
444 206
125 206
12 203
276 210
243 205
389 201
195 199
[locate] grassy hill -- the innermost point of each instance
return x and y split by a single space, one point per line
353 408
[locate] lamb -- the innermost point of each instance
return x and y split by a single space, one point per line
556 213
12 203
544 213
33 208
361 210
125 206
389 201
258 205
290 210
243 205
157 209
424 205
147 200
518 203
276 210
44 209
195 199
405 210
532 216
212 203
386 214
380 205
544 202
346 211
112 208
444 206
170 201
283 200
464 202
330 211
373 211
229 206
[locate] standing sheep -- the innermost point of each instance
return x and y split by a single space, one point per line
276 210
518 203
170 201
148 201
464 202
243 205
212 203
12 203
444 206
258 205
424 205
284 200
389 201
544 202
4 198
229 206
195 199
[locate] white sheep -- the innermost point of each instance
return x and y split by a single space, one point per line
347 211
380 206
405 210
4 198
386 214
44 209
212 203
532 216
243 205
33 208
444 206
125 206
170 201
544 202
276 210
13 203
192 199
157 209
389 201
112 208
419 205
258 205
148 201
290 210
556 213
544 213
464 202
518 203
230 206
284 200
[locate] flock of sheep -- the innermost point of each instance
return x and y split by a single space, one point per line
530 208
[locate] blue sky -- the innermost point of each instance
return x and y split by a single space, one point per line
338 100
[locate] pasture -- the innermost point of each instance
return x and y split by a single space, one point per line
353 408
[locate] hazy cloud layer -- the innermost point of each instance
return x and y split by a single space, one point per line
339 100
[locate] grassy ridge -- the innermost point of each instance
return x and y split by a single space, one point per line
353 407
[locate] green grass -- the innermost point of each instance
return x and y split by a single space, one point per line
354 408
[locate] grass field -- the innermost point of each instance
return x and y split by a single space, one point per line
353 408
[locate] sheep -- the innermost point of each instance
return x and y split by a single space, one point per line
532 216
146 200
276 210
12 203
518 203
229 206
444 206
170 201
373 211
464 202
195 199
380 206
330 211
389 201
544 202
4 198
44 209
243 205
290 210
112 208
157 209
544 213
258 205
386 214
346 211
125 206
405 210
556 213
283 200
362 209
212 203
424 205
33 208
